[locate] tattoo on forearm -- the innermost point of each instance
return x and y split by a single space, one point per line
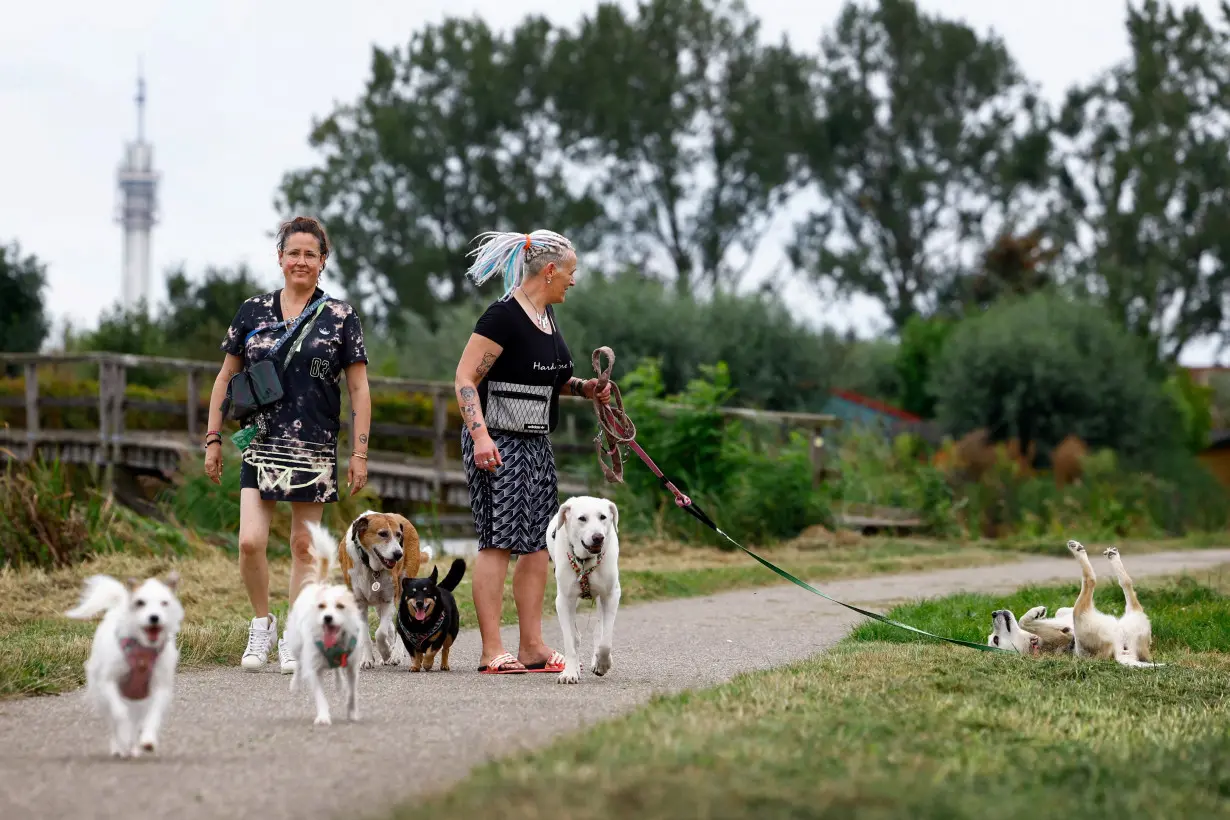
469 407
363 438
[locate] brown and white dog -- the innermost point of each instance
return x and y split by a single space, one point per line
377 551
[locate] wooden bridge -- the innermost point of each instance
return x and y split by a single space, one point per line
392 475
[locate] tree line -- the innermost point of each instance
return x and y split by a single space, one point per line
664 138
667 137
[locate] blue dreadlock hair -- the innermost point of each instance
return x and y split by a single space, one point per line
507 253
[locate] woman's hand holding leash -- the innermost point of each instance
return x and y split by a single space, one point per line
604 390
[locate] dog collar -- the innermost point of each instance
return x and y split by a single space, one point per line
417 639
583 575
140 660
339 653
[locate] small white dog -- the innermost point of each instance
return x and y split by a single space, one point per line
583 541
130 673
324 628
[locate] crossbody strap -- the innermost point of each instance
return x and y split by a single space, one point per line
307 328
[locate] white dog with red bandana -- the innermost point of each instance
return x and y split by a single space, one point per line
323 630
130 673
583 540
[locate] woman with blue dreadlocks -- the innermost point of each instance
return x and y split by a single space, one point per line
509 380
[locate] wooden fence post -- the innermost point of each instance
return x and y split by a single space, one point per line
194 404
104 424
119 385
31 371
816 449
439 406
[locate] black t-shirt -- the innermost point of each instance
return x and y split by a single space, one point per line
312 400
529 355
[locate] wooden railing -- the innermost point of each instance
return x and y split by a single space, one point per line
113 404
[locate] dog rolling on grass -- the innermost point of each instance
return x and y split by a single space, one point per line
583 540
378 551
1034 634
1127 639
427 617
130 672
324 628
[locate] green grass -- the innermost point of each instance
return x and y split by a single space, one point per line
897 728
45 652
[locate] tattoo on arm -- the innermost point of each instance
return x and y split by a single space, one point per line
363 438
484 365
469 406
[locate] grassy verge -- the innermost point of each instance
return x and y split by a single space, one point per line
44 651
893 728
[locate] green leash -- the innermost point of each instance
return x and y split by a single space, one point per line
619 429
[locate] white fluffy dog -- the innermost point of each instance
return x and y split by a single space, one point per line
130 673
324 628
583 541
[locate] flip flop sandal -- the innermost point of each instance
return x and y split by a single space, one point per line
555 664
504 664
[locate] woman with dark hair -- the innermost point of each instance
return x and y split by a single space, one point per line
508 383
298 340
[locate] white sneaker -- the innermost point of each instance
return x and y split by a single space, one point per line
261 633
286 657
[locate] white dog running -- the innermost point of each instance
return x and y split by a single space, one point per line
583 541
323 630
130 673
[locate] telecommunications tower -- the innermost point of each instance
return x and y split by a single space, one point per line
138 207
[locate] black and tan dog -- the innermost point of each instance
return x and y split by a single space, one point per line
427 618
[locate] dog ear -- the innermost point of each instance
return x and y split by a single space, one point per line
435 573
360 527
172 580
614 515
561 516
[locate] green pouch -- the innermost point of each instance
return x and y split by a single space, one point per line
243 437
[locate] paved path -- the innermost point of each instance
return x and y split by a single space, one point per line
238 744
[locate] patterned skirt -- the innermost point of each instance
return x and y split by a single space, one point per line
512 506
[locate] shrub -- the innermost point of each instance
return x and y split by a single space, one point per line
1042 367
758 489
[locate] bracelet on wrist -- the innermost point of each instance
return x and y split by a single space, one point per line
359 455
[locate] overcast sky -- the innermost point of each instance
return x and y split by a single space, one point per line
232 89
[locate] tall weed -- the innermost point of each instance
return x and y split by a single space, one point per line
52 516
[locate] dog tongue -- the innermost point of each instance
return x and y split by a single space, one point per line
420 614
330 636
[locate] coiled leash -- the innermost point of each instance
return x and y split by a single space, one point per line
616 429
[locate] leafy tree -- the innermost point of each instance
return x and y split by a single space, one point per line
24 323
1011 266
197 314
693 122
450 138
1146 174
922 341
1040 368
927 142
